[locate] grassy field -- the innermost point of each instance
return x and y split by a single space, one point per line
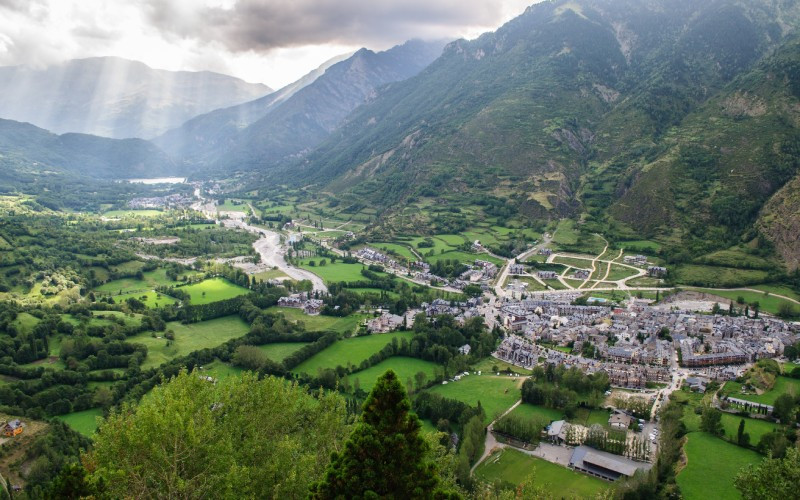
712 465
189 338
405 368
213 290
496 394
280 350
149 298
782 385
84 421
713 276
640 246
25 322
230 206
529 411
515 467
334 273
320 323
620 272
767 303
349 351
463 257
587 417
486 365
221 370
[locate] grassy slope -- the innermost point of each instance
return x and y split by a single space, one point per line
712 465
496 394
515 467
353 350
404 367
189 338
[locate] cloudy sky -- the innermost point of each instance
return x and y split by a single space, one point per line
269 41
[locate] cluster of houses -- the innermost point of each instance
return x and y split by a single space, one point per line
635 260
461 311
638 345
385 323
302 301
375 256
162 202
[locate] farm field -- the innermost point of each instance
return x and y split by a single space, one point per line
84 421
496 394
189 338
280 350
150 279
782 385
221 370
230 206
766 303
151 299
464 257
529 411
213 290
404 367
319 323
712 465
515 467
349 351
334 273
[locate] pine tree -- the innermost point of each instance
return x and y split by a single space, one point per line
385 454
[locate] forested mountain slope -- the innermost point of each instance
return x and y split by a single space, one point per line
617 111
27 149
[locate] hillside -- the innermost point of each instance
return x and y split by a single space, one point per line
571 108
113 97
30 150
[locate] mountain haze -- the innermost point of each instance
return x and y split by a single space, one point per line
25 148
294 125
114 97
205 135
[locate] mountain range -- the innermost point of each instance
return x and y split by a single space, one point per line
673 120
272 130
114 97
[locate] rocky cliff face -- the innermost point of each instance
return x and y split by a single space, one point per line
780 222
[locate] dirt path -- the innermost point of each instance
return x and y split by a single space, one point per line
491 442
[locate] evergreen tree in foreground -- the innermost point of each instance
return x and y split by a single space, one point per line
385 455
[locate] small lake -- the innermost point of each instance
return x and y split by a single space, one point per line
159 180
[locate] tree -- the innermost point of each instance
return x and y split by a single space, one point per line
772 479
711 421
385 455
241 437
249 357
742 438
784 408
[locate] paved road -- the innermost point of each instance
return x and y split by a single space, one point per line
501 278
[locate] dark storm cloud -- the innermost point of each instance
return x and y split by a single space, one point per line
262 25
